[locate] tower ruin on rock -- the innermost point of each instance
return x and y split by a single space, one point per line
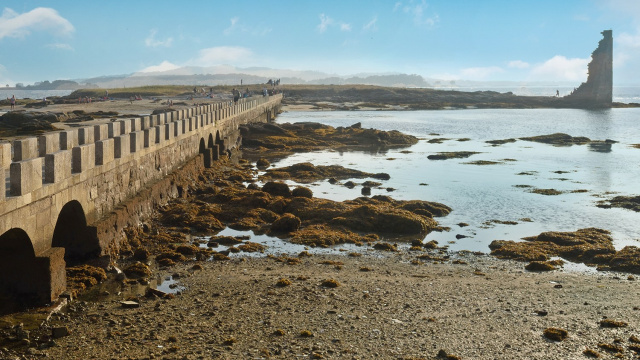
597 91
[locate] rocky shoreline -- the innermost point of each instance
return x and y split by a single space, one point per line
404 300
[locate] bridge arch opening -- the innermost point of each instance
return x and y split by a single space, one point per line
202 148
211 143
72 233
22 276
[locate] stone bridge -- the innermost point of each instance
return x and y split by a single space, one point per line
62 183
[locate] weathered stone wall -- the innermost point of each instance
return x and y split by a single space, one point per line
100 168
598 90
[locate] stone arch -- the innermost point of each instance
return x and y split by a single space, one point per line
202 148
22 276
72 233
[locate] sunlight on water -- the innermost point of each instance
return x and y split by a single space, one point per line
479 194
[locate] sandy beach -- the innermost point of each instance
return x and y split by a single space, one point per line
384 307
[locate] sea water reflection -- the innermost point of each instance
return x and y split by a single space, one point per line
480 194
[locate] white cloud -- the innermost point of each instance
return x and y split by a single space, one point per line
518 64
371 25
59 46
17 25
238 27
627 40
231 55
164 66
480 73
233 26
626 49
561 68
345 27
397 6
417 10
151 40
325 22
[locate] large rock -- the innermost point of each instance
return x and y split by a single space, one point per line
286 223
277 189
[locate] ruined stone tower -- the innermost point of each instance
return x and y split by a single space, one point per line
597 91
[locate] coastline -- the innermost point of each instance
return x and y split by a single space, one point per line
399 308
485 309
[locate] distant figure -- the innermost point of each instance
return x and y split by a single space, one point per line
13 102
557 93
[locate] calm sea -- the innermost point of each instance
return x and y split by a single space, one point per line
624 94
480 194
32 94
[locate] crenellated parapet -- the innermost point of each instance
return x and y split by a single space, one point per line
59 183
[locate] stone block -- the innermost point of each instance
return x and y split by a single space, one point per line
53 264
208 158
57 166
136 141
163 118
113 129
25 149
68 139
155 120
83 158
5 155
176 126
26 176
133 125
149 137
85 136
100 132
3 186
183 126
146 122
168 132
104 151
215 152
121 146
48 143
125 127
160 136
190 125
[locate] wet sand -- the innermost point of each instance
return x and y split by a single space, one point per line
485 309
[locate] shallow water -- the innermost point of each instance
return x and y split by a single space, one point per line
481 193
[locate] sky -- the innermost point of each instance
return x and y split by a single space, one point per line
489 40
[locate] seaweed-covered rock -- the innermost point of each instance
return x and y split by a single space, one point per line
137 270
451 155
84 276
263 163
590 246
558 139
302 191
307 172
277 189
625 202
286 223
